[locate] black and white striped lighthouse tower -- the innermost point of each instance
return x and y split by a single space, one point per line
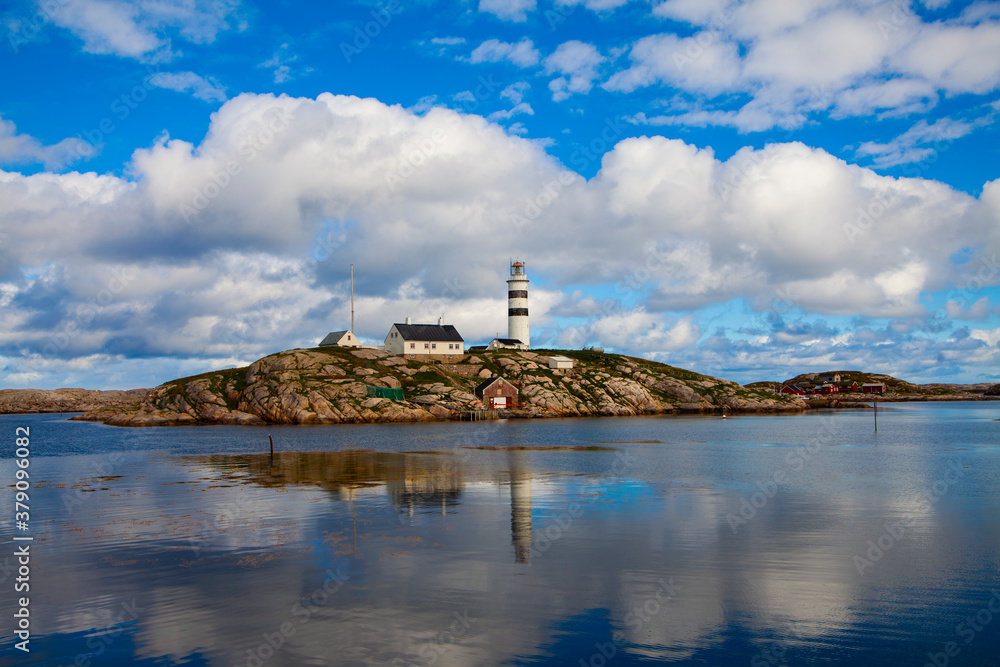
517 304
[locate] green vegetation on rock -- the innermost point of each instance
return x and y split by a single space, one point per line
329 385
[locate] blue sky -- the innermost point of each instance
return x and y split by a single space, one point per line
748 189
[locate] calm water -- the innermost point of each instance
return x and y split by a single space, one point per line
756 541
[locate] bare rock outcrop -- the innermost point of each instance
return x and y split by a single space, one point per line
25 401
338 385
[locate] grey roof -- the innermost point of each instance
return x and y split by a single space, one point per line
334 337
429 332
509 341
484 385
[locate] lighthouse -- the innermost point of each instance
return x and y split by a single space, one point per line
517 304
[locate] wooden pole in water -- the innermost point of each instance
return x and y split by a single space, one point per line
876 414
271 440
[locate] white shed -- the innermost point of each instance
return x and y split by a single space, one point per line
560 363
341 339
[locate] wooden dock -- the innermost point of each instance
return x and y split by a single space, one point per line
477 415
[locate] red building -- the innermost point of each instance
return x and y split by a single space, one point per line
497 393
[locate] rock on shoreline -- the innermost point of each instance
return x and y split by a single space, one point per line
34 401
334 386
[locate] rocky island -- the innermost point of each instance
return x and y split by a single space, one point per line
35 401
333 385
895 389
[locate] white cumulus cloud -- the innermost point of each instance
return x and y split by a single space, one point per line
237 245
208 90
522 53
508 10
577 62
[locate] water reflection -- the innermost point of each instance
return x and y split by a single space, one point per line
520 506
414 482
467 556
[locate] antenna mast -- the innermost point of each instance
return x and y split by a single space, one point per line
352 299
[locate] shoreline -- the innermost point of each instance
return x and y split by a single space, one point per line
514 413
332 385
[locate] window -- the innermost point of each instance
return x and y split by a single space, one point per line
411 346
426 345
434 346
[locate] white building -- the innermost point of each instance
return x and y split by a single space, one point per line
560 363
424 339
341 339
506 344
517 305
